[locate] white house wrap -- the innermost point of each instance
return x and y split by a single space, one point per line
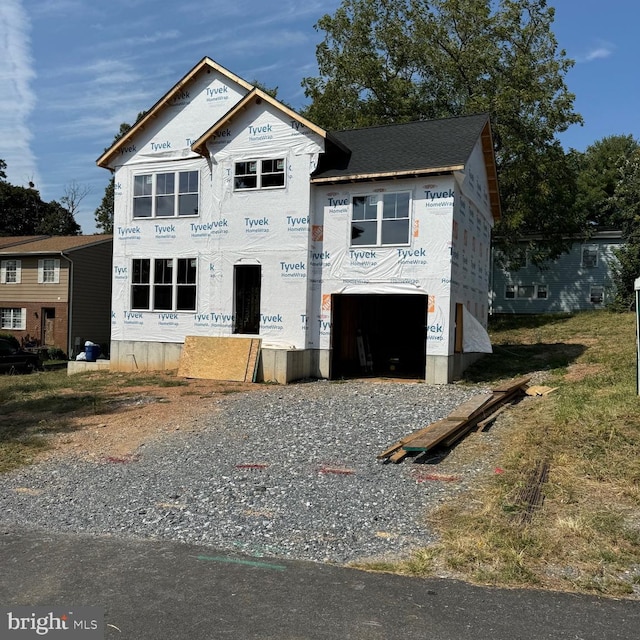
346 252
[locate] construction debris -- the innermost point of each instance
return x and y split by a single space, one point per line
539 390
481 409
530 497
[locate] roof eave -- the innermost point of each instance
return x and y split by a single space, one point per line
492 170
104 159
387 175
257 95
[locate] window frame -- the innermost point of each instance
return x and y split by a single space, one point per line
20 317
591 294
5 271
260 174
49 271
586 249
535 295
158 280
157 194
380 218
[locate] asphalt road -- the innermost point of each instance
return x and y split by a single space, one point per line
153 590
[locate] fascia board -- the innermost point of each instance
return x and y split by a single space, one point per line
253 97
104 159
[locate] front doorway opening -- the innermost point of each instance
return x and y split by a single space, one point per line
378 335
247 281
48 326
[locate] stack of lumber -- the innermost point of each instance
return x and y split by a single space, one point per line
478 411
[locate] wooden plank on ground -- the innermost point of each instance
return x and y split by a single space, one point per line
513 384
433 435
468 408
219 358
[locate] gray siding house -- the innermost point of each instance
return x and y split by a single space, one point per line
579 280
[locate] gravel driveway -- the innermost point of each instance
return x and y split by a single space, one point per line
287 472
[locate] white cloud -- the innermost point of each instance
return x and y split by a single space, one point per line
17 98
599 51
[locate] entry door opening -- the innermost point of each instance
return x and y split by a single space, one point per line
379 335
48 326
247 282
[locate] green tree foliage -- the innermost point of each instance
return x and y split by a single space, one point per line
24 213
103 215
627 201
394 61
599 171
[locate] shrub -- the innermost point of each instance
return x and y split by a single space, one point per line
11 338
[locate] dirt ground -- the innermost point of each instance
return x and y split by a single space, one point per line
131 416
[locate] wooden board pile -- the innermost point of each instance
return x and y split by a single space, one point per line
477 412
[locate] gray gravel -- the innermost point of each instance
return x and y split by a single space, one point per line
286 472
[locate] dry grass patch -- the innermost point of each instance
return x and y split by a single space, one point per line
585 536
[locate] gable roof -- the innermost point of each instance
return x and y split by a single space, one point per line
413 149
255 96
53 244
125 140
10 241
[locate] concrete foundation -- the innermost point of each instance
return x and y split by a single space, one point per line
82 366
275 365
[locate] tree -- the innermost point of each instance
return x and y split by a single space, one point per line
394 61
599 171
627 200
56 220
103 215
24 213
74 194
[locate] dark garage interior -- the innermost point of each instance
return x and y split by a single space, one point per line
382 335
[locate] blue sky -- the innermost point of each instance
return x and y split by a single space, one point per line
72 70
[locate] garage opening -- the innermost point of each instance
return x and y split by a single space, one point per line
378 335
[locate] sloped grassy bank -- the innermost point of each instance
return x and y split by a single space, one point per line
586 534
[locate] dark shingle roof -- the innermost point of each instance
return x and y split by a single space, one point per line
403 148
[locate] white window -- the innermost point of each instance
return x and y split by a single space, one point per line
381 219
49 271
526 291
164 284
13 318
596 295
259 174
590 255
10 272
166 195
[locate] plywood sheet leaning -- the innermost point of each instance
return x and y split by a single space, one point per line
218 358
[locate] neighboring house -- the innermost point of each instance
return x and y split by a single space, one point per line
350 252
55 291
579 280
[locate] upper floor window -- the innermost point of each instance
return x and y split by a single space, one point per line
49 271
590 255
165 195
13 318
164 284
10 272
381 219
259 174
